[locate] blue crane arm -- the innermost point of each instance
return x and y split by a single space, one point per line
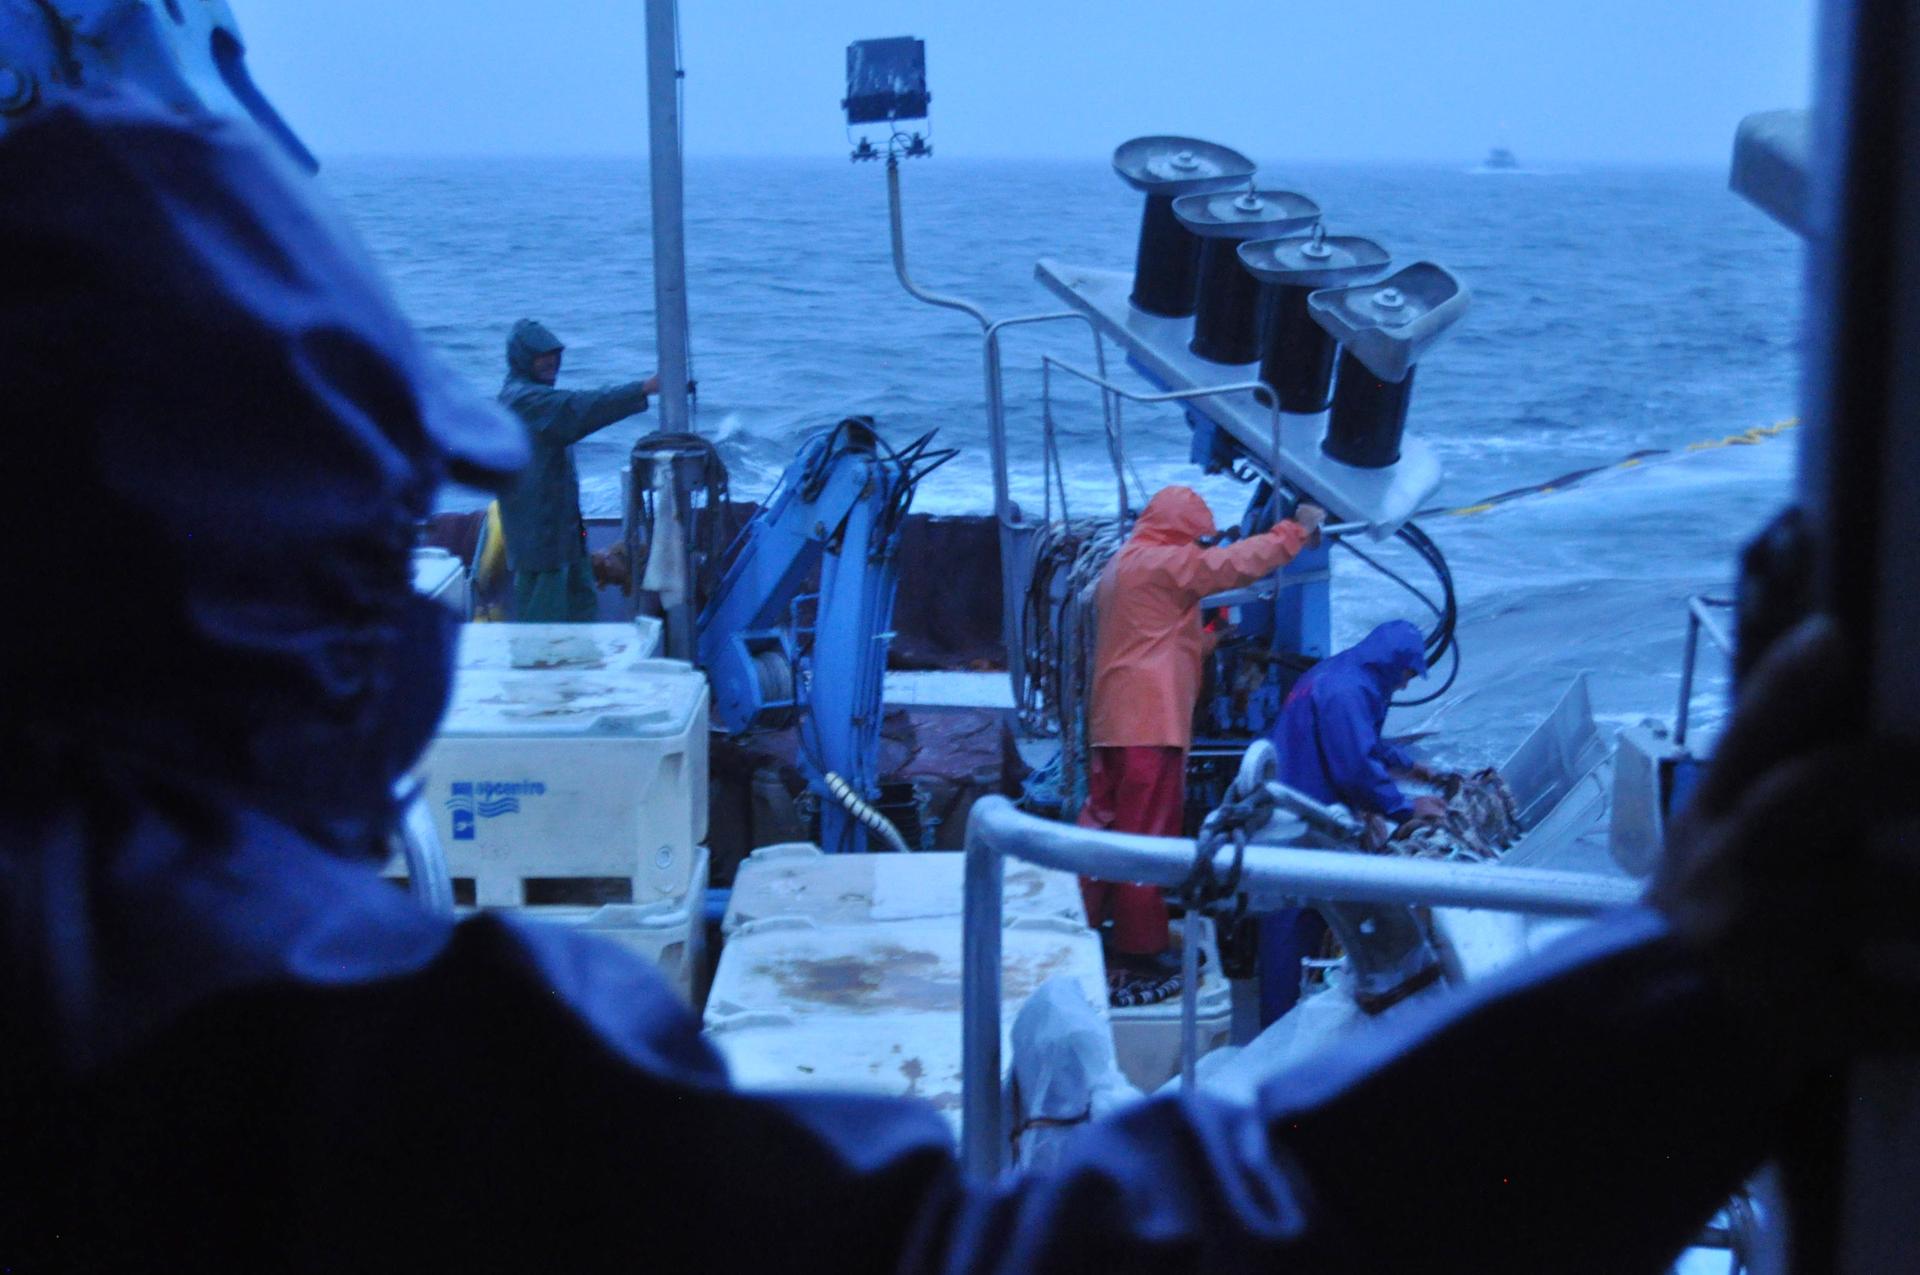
747 640
838 511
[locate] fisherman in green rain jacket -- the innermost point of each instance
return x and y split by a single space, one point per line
546 540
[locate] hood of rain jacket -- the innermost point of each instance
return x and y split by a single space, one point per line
1149 643
1328 735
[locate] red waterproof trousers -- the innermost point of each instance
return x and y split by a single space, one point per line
1140 788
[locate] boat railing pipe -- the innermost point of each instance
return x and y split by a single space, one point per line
428 878
1116 447
1271 877
1700 620
1264 394
914 290
990 330
1012 528
996 404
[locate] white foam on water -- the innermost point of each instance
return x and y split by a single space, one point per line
1594 580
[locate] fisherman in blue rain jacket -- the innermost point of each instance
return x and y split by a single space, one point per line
230 1046
1328 736
1330 748
540 514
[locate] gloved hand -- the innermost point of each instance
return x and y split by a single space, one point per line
1311 518
1429 808
1784 871
1377 833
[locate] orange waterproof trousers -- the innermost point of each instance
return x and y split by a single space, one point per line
1135 789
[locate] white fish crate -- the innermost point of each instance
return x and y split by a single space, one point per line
571 787
798 880
1147 1037
671 934
874 1007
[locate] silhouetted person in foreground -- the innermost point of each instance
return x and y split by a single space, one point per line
231 1047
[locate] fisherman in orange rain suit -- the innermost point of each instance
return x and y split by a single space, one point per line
1146 681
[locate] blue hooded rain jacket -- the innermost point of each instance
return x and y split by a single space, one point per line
1328 735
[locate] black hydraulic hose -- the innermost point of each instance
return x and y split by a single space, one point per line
1440 641
1449 611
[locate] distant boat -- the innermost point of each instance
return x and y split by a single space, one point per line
1501 157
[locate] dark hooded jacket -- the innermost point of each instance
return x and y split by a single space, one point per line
229 1046
541 513
1328 735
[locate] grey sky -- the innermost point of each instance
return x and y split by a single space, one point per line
1601 80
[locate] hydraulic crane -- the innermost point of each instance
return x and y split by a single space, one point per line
778 654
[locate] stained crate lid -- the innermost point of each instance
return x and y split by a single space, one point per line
558 648
649 699
797 880
874 1008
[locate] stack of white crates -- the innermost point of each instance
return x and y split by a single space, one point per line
569 781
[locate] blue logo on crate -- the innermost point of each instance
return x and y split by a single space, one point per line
461 804
474 800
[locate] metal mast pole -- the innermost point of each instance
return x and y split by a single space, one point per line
1848 183
1855 1209
669 262
669 226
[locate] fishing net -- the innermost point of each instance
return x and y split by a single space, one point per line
1481 822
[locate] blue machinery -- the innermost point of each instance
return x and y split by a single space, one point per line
777 654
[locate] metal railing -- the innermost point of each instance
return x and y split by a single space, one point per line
1699 620
1271 877
996 406
1261 389
428 879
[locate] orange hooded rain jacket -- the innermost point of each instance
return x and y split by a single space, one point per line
1148 656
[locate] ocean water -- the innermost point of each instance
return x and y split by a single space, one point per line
1614 310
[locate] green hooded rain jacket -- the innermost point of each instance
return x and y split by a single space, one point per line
541 513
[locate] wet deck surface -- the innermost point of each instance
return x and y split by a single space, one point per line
952 688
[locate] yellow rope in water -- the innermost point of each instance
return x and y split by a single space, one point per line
1747 438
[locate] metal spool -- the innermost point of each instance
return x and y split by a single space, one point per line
1385 328
1166 266
1297 354
1227 315
775 674
1369 416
